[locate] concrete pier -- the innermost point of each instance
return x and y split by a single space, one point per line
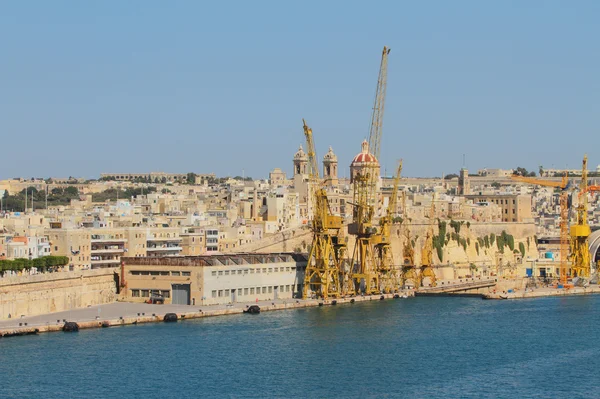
543 292
125 313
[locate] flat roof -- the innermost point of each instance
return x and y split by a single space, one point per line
217 260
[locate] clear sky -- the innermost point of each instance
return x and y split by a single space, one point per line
139 86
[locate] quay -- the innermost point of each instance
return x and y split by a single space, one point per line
541 292
127 313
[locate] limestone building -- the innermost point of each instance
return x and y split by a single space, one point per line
216 279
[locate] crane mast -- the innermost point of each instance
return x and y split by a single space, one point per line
564 216
387 270
321 278
379 106
427 252
364 275
580 252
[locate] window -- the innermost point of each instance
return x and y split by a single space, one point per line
245 291
226 292
270 270
270 290
287 288
246 271
214 293
276 269
264 290
239 272
166 293
220 272
154 273
213 273
135 272
281 288
164 273
145 293
175 274
239 291
186 274
220 293
135 293
252 291
227 272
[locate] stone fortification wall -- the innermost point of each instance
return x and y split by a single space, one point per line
55 292
283 241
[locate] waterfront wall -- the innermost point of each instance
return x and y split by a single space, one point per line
55 292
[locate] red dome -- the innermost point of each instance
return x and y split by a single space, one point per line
364 156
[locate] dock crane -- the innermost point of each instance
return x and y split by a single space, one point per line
580 231
364 276
322 275
389 278
409 268
564 216
427 252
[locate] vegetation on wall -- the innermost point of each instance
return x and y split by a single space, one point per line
42 264
522 249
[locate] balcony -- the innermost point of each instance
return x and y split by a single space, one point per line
107 239
102 250
164 239
164 249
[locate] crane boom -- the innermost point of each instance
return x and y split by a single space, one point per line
323 269
563 184
564 215
379 106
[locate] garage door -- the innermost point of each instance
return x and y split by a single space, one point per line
181 294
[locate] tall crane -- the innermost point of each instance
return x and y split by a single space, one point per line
364 276
379 106
322 271
564 216
580 231
427 251
389 278
409 269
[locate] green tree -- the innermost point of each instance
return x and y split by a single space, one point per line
71 191
191 178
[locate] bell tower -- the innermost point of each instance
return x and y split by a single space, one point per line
330 168
300 162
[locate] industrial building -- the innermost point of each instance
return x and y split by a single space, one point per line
214 279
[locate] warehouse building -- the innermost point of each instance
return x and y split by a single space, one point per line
214 279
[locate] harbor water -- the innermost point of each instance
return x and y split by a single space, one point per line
430 347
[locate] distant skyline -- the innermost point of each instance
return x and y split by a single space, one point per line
222 87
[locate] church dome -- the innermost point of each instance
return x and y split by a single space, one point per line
364 157
300 155
330 156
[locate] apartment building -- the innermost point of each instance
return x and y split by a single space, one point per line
514 207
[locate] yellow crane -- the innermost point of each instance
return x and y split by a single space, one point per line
564 216
427 251
321 277
409 269
389 278
580 231
364 276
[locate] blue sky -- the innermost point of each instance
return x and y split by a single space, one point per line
139 86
